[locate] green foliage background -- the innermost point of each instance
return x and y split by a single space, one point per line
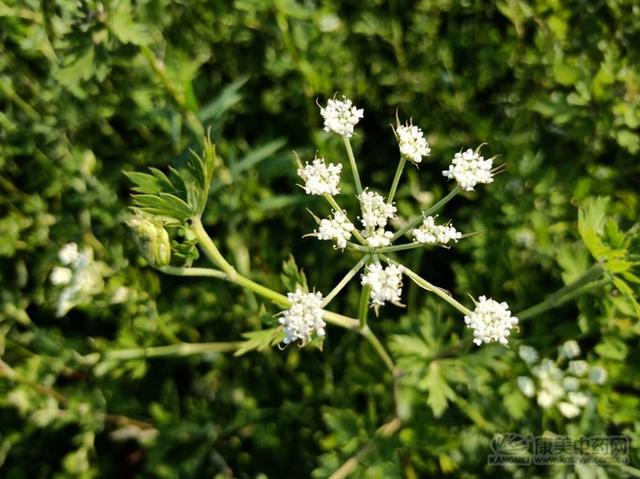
91 89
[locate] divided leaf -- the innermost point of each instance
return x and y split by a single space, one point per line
260 340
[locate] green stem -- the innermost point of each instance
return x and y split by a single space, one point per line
173 350
354 167
334 204
193 272
442 294
211 250
585 282
363 307
352 272
429 211
340 320
396 180
379 348
214 255
399 247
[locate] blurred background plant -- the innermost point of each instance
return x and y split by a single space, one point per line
90 89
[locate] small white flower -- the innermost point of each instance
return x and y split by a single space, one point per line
336 229
340 116
431 233
385 283
545 399
526 385
578 399
491 321
578 367
320 178
60 276
69 254
375 211
550 378
412 143
378 238
528 354
303 318
82 280
469 168
570 349
568 410
598 375
570 383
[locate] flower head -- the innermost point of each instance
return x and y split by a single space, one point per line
303 319
528 354
469 168
526 385
550 379
570 349
60 276
340 116
431 233
385 283
336 229
578 367
491 321
412 143
375 211
152 238
568 409
69 254
378 238
320 178
598 375
81 277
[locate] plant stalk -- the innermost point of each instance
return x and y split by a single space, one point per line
424 284
429 211
396 179
585 281
347 278
354 167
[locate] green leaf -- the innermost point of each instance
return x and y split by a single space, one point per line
228 97
590 221
403 345
122 25
79 68
292 277
439 392
613 348
163 204
260 340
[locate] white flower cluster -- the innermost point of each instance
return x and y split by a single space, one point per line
553 386
431 233
337 229
303 319
528 354
79 276
340 116
491 321
378 238
469 168
412 143
320 178
570 349
385 283
376 212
